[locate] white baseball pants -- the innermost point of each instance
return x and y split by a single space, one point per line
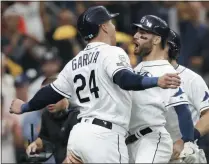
154 147
96 144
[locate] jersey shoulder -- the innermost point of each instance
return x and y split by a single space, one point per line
112 53
157 68
112 50
187 73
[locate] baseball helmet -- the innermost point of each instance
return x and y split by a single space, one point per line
88 23
174 43
153 24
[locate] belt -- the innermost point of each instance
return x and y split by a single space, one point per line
132 138
96 121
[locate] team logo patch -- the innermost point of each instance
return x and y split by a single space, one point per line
123 62
122 58
178 93
145 74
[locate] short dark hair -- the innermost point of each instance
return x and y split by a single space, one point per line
49 80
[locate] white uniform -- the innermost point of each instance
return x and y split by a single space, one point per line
196 91
148 111
87 80
198 97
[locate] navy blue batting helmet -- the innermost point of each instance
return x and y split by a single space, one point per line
88 23
174 43
153 24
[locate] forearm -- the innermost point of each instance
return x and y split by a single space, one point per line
203 124
127 80
45 96
185 122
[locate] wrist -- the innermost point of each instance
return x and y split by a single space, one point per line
155 81
149 82
25 108
187 139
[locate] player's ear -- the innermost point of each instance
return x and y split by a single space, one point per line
156 40
104 27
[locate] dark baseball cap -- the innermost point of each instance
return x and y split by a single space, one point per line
99 15
88 22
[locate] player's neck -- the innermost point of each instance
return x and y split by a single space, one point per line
155 55
174 63
101 39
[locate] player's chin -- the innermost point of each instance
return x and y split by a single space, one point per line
137 52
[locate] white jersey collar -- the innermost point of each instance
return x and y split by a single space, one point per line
93 45
155 63
180 68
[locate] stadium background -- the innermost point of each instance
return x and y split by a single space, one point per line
39 38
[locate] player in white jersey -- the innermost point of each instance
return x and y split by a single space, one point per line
149 141
198 98
92 81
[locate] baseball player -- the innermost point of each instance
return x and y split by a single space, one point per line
98 80
149 141
198 98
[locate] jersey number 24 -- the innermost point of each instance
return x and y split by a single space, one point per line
92 85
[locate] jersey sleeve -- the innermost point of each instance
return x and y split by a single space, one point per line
175 97
200 94
62 84
116 60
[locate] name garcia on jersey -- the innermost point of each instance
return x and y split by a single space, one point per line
85 60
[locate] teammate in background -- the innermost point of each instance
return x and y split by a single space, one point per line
149 141
198 98
92 81
56 123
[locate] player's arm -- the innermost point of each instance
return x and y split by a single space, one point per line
118 68
200 98
179 101
185 122
128 80
50 94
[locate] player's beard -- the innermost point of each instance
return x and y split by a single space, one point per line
145 49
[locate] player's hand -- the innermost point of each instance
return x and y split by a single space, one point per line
31 148
16 106
169 81
71 158
178 146
190 153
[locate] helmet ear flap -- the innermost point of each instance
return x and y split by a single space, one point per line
86 27
163 42
94 31
173 51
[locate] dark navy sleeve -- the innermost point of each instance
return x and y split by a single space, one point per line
185 122
128 80
45 96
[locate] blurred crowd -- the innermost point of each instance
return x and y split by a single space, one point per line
39 38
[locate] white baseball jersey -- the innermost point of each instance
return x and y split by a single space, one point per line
87 80
196 91
150 105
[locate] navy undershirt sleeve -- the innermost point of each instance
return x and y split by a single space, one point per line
128 80
45 96
185 122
